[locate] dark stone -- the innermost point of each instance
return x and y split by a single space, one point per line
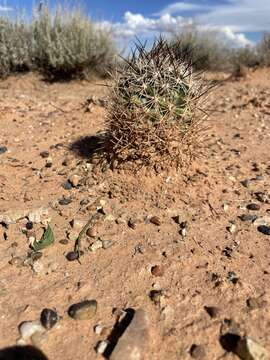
48 318
264 229
212 311
73 255
248 217
3 149
197 351
254 207
44 154
65 201
232 277
67 185
229 341
29 225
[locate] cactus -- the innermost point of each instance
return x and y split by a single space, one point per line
152 116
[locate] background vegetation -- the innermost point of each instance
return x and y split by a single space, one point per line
64 44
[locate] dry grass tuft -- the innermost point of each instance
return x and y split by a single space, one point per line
157 110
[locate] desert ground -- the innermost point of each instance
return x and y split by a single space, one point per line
194 285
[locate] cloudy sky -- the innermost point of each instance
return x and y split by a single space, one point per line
240 21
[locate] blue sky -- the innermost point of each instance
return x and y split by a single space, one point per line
239 21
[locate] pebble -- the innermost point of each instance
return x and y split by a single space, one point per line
29 328
232 277
157 270
49 162
92 232
29 225
96 245
157 296
73 255
212 311
264 229
231 228
245 183
254 207
74 180
248 217
249 349
155 220
102 346
65 201
98 329
197 351
67 185
63 241
262 197
132 223
48 318
78 224
3 149
84 310
35 216
264 220
44 154
132 345
106 244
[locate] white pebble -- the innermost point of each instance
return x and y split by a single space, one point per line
29 328
102 346
96 245
98 329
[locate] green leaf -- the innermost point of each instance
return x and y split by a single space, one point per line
46 240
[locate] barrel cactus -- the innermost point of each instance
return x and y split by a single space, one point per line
154 112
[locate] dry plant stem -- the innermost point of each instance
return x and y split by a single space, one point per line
94 218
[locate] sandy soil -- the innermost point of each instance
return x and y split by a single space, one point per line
216 264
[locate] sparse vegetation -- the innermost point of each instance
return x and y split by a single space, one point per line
204 48
153 115
63 44
264 49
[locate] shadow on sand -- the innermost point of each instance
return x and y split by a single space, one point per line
22 353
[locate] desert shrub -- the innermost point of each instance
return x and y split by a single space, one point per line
244 56
63 44
69 44
15 46
205 49
264 49
153 114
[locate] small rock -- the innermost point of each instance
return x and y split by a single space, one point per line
197 351
132 223
74 180
49 162
98 329
264 220
249 349
232 277
109 217
3 149
73 255
84 310
262 197
245 183
44 154
132 345
102 346
264 229
48 318
38 267
63 241
67 185
92 232
212 311
106 244
155 220
231 228
248 217
65 201
96 245
157 270
78 224
157 296
73 235
36 216
254 207
29 328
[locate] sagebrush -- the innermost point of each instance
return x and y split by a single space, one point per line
60 44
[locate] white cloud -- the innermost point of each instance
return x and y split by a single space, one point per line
5 8
139 25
